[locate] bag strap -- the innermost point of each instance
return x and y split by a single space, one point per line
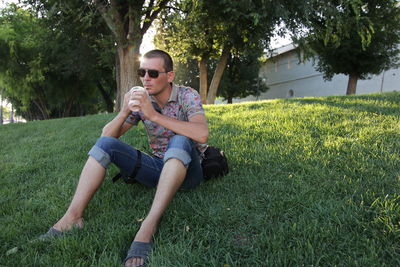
135 170
116 177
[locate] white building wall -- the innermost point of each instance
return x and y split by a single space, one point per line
286 77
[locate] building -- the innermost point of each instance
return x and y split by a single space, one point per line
286 78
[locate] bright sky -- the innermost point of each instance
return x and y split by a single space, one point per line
3 3
147 43
279 41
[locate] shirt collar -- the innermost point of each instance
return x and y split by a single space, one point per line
173 97
174 94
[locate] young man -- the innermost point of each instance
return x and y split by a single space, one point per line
177 129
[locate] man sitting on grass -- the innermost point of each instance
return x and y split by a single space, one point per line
177 129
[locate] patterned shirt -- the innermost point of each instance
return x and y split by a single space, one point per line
183 103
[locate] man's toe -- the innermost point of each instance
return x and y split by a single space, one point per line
134 262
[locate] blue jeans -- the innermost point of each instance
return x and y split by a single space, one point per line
109 150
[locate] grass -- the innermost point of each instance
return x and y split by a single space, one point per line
313 182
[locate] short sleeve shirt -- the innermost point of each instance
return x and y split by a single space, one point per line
183 103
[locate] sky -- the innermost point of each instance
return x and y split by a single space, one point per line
4 2
147 43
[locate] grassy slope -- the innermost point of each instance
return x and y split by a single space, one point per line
313 181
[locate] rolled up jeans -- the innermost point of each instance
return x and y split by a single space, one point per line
109 150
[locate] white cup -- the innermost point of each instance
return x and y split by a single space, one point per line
133 104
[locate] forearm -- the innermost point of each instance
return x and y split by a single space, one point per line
195 130
113 128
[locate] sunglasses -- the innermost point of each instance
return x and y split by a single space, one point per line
152 73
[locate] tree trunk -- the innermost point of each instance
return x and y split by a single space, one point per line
352 85
106 97
129 63
212 92
68 107
118 81
41 103
203 80
42 108
12 115
1 108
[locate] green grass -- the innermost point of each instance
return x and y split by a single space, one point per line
313 182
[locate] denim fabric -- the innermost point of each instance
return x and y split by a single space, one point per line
111 150
179 147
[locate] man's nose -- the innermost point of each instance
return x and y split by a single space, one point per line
147 76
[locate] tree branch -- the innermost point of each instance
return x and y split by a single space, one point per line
112 18
131 24
104 13
149 8
150 17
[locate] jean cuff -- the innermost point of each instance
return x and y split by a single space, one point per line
100 155
179 154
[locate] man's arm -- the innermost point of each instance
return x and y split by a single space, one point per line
117 127
196 128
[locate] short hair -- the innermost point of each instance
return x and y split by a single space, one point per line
157 53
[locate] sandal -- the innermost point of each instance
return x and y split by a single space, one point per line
53 232
139 250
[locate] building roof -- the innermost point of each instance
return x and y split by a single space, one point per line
282 50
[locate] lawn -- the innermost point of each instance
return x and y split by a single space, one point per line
312 182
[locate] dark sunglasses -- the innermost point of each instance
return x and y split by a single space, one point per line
152 73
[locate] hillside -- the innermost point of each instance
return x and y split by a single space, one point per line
313 181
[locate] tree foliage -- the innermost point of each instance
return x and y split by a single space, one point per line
353 37
51 60
186 73
205 30
241 76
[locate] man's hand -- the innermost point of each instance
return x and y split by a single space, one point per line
145 104
118 126
125 110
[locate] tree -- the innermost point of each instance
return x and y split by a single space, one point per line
186 73
353 37
241 76
128 22
207 29
21 61
51 59
1 107
176 31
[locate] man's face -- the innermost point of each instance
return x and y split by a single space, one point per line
155 85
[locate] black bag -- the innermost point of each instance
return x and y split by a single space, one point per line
214 163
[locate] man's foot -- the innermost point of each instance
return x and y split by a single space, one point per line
66 224
61 227
138 254
142 243
51 233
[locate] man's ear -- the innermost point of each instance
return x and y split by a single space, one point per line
171 76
